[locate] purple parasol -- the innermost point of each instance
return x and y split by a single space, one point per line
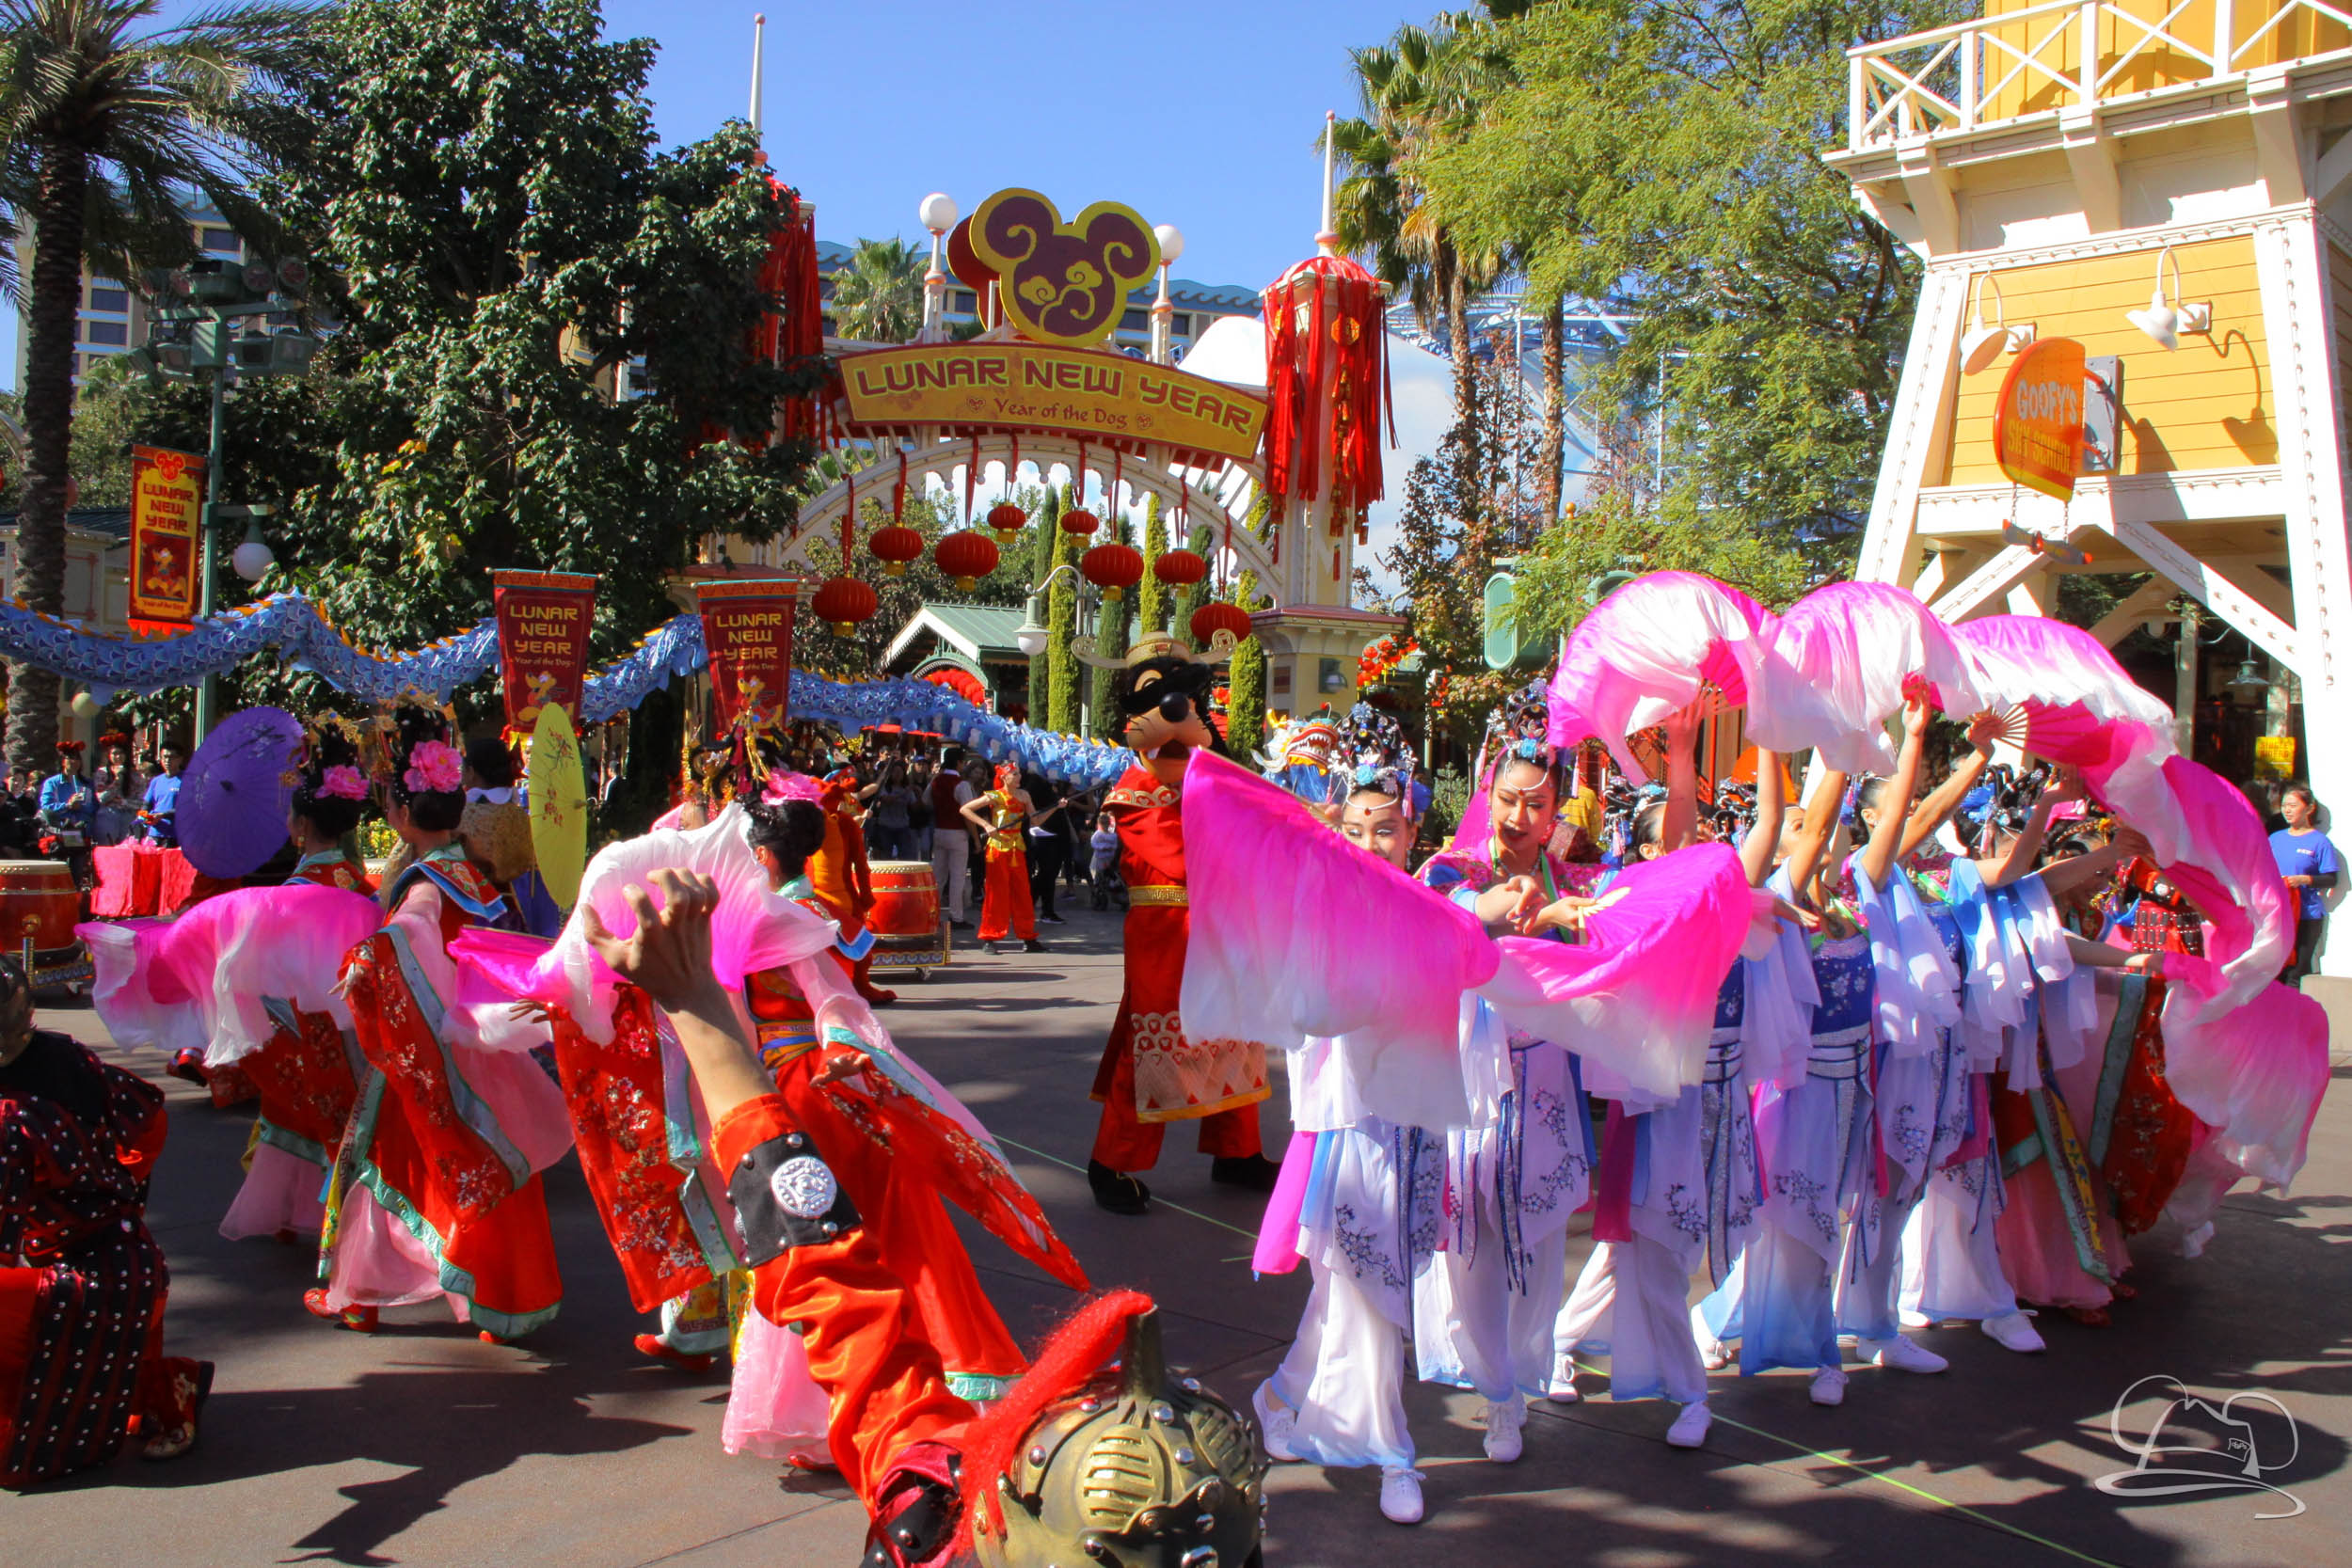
232 807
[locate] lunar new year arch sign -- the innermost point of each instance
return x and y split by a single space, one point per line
2038 424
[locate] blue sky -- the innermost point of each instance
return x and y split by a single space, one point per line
1204 114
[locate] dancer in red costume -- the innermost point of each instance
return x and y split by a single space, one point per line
1151 1074
304 1076
1007 907
936 1479
81 1299
843 880
436 1188
897 1157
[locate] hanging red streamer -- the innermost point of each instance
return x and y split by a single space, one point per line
1327 365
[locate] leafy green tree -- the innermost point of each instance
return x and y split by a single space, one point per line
500 244
107 125
877 294
1152 597
1671 158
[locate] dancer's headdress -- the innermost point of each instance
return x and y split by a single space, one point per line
1376 756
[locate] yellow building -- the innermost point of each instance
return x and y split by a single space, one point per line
2056 165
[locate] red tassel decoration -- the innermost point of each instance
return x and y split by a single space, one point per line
1326 366
1067 1363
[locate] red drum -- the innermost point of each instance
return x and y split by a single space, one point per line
38 902
908 930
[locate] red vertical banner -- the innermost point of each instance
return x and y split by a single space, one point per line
167 510
543 621
747 628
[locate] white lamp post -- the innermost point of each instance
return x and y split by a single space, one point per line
1163 314
938 213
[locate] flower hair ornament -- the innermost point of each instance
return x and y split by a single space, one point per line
1378 755
784 786
435 767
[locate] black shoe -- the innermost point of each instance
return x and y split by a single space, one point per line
1118 1193
1254 1172
1033 945
1054 920
961 925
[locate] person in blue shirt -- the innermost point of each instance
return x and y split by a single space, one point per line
67 800
2311 867
160 806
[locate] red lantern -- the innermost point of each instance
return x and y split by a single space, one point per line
1007 520
1113 568
843 602
1080 521
894 546
967 555
1179 569
1218 616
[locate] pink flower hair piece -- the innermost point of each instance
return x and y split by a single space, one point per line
783 786
435 767
344 784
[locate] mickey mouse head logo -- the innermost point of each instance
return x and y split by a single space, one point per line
1063 282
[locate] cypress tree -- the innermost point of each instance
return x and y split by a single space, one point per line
1062 621
1197 593
1244 721
1045 527
1151 598
1110 639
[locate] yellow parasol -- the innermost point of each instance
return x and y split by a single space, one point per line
559 804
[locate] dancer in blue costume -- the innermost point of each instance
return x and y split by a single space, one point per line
1485 1307
1813 1129
1686 1185
1368 1223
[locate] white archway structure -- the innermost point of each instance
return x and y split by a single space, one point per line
1221 497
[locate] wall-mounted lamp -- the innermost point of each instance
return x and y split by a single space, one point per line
2163 321
1980 345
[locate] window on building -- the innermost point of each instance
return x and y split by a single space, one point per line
1180 324
966 301
106 297
1135 321
116 334
224 241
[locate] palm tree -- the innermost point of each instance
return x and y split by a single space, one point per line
878 296
104 132
1422 85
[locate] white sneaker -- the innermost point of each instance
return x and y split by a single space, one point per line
2013 1331
1504 1441
1561 1388
1829 1386
1900 1355
1400 1496
1274 1426
1690 1428
2193 1242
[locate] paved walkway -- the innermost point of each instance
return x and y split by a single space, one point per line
423 1445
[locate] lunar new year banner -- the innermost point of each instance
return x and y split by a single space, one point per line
1014 386
543 621
747 629
166 506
